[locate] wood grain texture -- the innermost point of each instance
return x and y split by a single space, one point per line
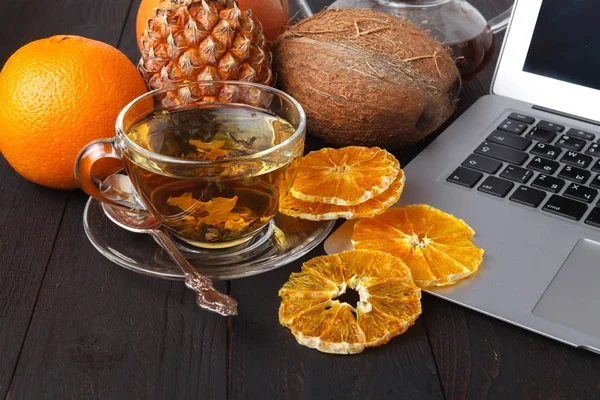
266 362
100 331
26 209
480 357
24 21
103 332
128 41
29 214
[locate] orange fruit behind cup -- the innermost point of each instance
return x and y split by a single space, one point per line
56 95
272 14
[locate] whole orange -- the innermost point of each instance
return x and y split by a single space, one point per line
272 14
56 95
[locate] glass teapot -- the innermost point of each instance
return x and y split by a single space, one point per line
456 23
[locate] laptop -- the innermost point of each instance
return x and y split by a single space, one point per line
522 167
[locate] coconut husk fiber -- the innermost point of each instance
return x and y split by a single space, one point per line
367 78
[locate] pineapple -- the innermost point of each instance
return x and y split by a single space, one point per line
196 40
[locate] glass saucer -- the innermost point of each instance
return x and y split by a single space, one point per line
283 241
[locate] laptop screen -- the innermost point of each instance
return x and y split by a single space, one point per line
566 42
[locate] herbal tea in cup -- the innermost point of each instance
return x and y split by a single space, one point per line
227 201
212 172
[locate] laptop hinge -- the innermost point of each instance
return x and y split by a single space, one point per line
562 114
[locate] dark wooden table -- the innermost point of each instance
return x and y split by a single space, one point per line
74 325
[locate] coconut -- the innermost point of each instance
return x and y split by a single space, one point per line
367 78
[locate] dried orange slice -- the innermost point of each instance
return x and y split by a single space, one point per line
321 211
345 177
389 302
436 246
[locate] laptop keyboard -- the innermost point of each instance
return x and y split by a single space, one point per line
539 164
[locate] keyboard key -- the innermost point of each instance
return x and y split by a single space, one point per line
542 165
516 174
593 149
514 127
521 118
596 166
548 183
576 159
579 192
541 135
595 183
574 174
496 186
501 153
512 141
581 134
565 207
528 196
482 164
571 143
546 150
594 217
465 177
551 126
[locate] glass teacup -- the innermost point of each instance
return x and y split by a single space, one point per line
210 160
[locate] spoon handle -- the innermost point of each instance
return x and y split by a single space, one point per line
207 296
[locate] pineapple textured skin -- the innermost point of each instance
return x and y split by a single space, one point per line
203 40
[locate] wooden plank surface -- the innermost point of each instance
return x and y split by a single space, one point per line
480 357
266 354
74 325
102 332
267 363
30 214
27 20
24 254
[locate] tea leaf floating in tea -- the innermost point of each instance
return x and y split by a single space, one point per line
215 213
187 203
210 151
220 149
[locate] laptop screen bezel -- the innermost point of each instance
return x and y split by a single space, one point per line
511 81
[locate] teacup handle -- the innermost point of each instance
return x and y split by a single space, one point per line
103 191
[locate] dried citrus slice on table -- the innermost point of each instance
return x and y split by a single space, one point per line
345 177
321 211
389 302
436 246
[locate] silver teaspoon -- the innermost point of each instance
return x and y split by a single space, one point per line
207 296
